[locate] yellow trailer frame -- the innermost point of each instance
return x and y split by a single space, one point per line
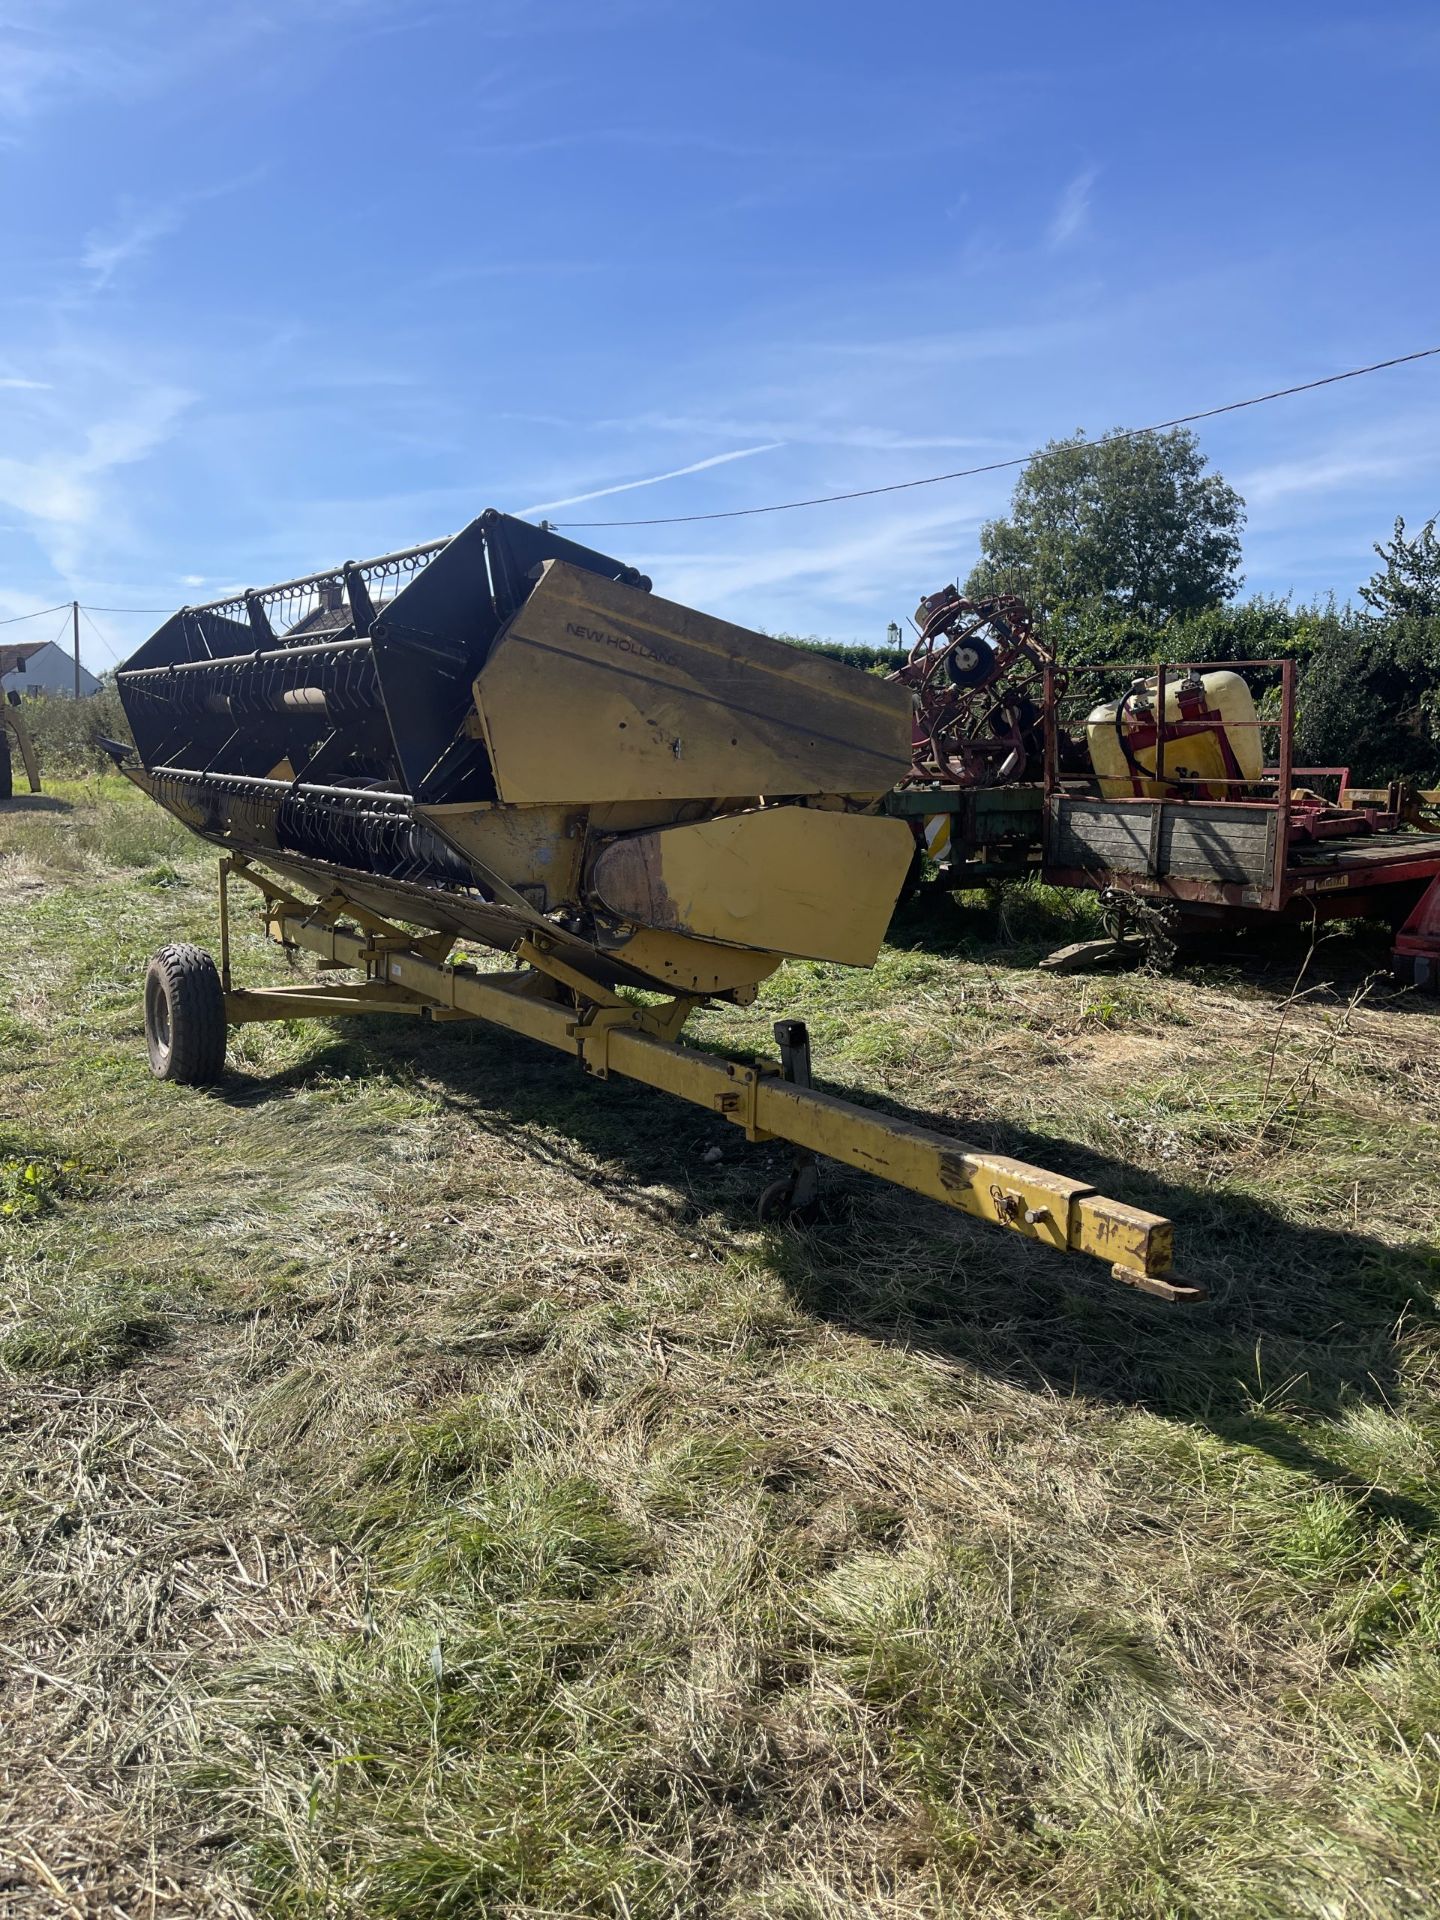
545 999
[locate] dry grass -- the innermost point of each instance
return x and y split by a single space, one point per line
427 1492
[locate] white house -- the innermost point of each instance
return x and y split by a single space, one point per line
41 667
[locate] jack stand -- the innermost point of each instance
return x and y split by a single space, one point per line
797 1194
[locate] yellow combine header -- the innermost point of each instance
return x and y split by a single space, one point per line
508 739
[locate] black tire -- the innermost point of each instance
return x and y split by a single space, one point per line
777 1206
185 1017
7 768
971 663
774 1202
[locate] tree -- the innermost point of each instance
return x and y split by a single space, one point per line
1125 528
1408 588
850 653
1260 628
1370 698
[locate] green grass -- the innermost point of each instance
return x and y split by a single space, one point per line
71 1328
427 1491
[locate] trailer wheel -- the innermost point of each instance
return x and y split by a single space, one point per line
7 772
185 1017
793 1200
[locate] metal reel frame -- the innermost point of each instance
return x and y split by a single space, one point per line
977 674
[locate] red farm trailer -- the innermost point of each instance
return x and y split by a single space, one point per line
1172 791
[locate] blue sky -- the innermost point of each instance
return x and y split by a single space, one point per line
285 283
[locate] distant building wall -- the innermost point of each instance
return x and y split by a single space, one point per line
49 669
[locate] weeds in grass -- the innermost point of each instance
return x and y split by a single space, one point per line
30 1184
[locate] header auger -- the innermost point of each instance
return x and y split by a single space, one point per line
507 738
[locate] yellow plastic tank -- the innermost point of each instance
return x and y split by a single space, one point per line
1209 733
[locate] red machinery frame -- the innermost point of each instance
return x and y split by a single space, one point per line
1335 861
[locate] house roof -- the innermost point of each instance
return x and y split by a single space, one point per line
10 657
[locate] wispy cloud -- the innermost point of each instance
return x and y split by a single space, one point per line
61 489
51 56
55 52
14 383
1327 473
962 345
777 581
651 480
1072 211
38 64
107 249
1384 451
796 431
139 227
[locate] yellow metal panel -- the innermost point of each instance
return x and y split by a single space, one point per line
633 816
1112 1231
989 1186
541 847
597 692
682 965
1044 1206
794 880
244 1006
528 847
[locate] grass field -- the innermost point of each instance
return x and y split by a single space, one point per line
426 1491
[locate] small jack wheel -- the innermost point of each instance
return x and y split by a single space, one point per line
185 1017
794 1198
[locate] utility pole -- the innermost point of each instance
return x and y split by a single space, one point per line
75 623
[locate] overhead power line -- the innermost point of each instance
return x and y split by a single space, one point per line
100 636
15 618
903 486
1021 460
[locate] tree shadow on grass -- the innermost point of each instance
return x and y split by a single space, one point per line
36 803
1303 1321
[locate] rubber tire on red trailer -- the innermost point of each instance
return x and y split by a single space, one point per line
1414 970
185 1017
7 770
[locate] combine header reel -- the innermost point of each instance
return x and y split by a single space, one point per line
506 738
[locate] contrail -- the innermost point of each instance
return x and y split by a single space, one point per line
627 486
